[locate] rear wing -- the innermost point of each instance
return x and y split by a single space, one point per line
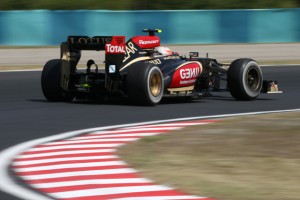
70 54
88 43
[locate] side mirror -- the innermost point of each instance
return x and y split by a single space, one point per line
194 54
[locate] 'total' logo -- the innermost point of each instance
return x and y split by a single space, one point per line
117 45
114 48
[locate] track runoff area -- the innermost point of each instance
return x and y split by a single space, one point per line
84 164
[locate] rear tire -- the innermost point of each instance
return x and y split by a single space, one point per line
244 79
51 82
145 84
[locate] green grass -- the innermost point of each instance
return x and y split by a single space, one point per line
245 158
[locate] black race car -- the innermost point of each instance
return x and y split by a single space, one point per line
145 72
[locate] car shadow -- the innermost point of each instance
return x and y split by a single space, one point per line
164 101
120 101
226 98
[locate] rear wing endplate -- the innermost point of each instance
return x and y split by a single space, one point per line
70 51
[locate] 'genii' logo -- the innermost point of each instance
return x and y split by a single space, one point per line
115 49
189 73
148 41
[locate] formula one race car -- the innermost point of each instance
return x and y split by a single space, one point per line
145 72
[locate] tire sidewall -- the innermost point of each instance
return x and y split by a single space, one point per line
154 99
237 79
252 65
50 82
138 83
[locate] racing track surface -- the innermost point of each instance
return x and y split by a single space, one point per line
26 115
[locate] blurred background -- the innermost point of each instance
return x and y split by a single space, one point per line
145 4
46 23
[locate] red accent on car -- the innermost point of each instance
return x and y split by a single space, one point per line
146 42
116 46
186 75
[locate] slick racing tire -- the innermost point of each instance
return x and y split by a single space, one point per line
145 84
244 79
51 82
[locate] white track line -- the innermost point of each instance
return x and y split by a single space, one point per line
90 140
108 191
173 125
8 184
75 147
37 155
49 161
69 166
125 130
79 173
93 181
115 135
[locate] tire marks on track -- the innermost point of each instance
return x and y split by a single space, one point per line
87 167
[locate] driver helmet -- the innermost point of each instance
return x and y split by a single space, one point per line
165 51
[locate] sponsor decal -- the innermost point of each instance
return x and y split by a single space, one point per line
146 42
186 74
130 50
114 49
119 39
112 68
155 62
189 73
183 93
171 57
116 46
89 40
137 43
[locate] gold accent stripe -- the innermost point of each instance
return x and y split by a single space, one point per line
135 60
181 89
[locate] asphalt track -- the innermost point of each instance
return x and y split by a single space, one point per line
26 115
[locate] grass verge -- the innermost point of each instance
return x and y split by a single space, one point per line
245 158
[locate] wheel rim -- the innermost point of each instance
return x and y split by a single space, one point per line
253 79
155 84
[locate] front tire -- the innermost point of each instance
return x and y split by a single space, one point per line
244 79
145 84
50 81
